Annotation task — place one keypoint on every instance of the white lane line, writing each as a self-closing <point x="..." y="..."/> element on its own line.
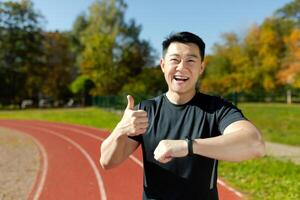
<point x="230" y="188"/>
<point x="86" y="155"/>
<point x="40" y="183"/>
<point x="135" y="159"/>
<point x="132" y="157"/>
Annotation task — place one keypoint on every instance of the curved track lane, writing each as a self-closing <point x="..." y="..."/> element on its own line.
<point x="70" y="168"/>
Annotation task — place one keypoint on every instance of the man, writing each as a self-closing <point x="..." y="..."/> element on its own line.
<point x="183" y="133"/>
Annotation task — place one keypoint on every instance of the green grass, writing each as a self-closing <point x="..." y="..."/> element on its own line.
<point x="277" y="122"/>
<point x="86" y="116"/>
<point x="266" y="178"/>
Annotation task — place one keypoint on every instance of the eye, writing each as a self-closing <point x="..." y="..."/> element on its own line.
<point x="174" y="60"/>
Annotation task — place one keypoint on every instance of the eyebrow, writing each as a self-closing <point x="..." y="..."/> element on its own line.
<point x="189" y="55"/>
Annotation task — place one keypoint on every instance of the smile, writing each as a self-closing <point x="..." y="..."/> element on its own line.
<point x="180" y="78"/>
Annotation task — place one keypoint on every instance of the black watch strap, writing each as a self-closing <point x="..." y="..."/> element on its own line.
<point x="190" y="146"/>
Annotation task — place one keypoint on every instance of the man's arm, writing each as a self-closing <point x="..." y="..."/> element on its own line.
<point x="240" y="141"/>
<point x="117" y="146"/>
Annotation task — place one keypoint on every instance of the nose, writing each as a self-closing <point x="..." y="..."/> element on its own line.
<point x="180" y="65"/>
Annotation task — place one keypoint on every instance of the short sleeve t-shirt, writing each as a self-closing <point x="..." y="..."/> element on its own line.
<point x="191" y="177"/>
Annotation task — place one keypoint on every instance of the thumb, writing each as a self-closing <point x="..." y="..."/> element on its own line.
<point x="130" y="102"/>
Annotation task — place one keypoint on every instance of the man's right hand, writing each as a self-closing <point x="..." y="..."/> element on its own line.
<point x="134" y="122"/>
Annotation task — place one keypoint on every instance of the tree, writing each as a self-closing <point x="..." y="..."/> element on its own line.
<point x="150" y="82"/>
<point x="111" y="49"/>
<point x="81" y="87"/>
<point x="75" y="34"/>
<point x="58" y="71"/>
<point x="20" y="50"/>
<point x="227" y="68"/>
<point x="271" y="52"/>
<point x="248" y="64"/>
<point x="262" y="62"/>
<point x="290" y="72"/>
<point x="290" y="12"/>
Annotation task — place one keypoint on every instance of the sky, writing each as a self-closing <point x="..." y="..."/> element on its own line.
<point x="206" y="18"/>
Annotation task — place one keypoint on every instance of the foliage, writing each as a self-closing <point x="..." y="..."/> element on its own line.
<point x="78" y="85"/>
<point x="150" y="82"/>
<point x="248" y="64"/>
<point x="290" y="12"/>
<point x="265" y="50"/>
<point x="107" y="51"/>
<point x="226" y="71"/>
<point x="289" y="73"/>
<point x="265" y="60"/>
<point x="81" y="87"/>
<point x="75" y="34"/>
<point x="111" y="51"/>
<point x="59" y="62"/>
<point x="20" y="50"/>
<point x="33" y="64"/>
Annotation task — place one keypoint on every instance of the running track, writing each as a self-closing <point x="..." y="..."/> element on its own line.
<point x="69" y="165"/>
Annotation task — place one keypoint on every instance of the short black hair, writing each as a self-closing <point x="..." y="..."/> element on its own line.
<point x="184" y="37"/>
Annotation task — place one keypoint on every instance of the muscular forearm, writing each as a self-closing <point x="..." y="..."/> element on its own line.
<point x="236" y="146"/>
<point x="240" y="141"/>
<point x="112" y="149"/>
<point x="117" y="147"/>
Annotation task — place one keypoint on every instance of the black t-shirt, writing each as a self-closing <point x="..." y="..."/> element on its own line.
<point x="191" y="177"/>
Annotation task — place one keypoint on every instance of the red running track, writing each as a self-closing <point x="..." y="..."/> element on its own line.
<point x="69" y="165"/>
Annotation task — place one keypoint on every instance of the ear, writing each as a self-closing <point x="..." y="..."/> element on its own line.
<point x="202" y="68"/>
<point x="162" y="65"/>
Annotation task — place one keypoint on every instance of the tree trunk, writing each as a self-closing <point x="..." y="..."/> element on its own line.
<point x="289" y="96"/>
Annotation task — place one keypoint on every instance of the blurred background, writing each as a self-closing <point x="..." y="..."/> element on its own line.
<point x="62" y="60"/>
<point x="91" y="52"/>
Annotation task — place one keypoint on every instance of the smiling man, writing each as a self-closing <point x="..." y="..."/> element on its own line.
<point x="183" y="133"/>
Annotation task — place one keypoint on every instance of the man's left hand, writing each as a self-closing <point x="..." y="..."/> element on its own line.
<point x="166" y="150"/>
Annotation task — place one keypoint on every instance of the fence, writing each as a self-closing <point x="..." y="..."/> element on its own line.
<point x="116" y="102"/>
<point x="120" y="102"/>
<point x="274" y="97"/>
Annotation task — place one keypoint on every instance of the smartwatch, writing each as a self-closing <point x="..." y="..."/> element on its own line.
<point x="190" y="146"/>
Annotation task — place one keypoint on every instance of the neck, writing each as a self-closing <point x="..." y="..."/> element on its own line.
<point x="179" y="99"/>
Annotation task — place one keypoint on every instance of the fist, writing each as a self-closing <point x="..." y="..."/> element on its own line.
<point x="134" y="122"/>
<point x="166" y="150"/>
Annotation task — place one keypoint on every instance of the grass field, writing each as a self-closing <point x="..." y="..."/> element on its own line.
<point x="85" y="116"/>
<point x="265" y="178"/>
<point x="277" y="122"/>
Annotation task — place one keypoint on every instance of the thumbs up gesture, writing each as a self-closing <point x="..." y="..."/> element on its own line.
<point x="130" y="103"/>
<point x="133" y="122"/>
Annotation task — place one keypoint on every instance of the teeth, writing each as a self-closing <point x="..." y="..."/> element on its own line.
<point x="179" y="77"/>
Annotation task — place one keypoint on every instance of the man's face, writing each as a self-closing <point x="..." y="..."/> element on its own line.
<point x="182" y="66"/>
